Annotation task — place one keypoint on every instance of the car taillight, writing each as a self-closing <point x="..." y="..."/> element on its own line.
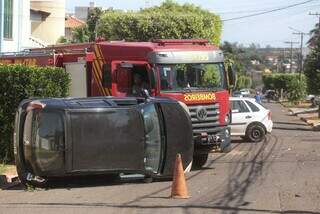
<point x="269" y="115"/>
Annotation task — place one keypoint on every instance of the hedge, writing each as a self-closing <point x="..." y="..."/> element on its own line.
<point x="135" y="26"/>
<point x="291" y="84"/>
<point x="19" y="82"/>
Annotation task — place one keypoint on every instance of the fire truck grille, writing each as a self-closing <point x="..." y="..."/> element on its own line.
<point x="205" y="119"/>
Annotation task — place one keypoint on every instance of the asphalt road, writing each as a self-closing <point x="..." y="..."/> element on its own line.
<point x="279" y="175"/>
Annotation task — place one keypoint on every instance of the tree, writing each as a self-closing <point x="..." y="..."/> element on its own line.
<point x="92" y="21"/>
<point x="80" y="34"/>
<point x="63" y="40"/>
<point x="170" y="20"/>
<point x="315" y="34"/>
<point x="296" y="90"/>
<point x="312" y="68"/>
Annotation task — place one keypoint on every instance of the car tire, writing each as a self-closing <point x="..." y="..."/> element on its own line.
<point x="255" y="133"/>
<point x="199" y="161"/>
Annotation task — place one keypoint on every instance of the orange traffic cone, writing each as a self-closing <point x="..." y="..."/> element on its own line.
<point x="179" y="187"/>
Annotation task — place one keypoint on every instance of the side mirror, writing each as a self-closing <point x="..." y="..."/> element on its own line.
<point x="231" y="76"/>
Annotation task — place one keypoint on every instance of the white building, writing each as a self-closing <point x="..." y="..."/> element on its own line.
<point x="28" y="24"/>
<point x="15" y="27"/>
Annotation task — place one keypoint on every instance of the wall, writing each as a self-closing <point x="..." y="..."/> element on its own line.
<point x="52" y="28"/>
<point x="20" y="27"/>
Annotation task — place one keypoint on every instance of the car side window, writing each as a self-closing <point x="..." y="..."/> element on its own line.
<point x="253" y="107"/>
<point x="239" y="106"/>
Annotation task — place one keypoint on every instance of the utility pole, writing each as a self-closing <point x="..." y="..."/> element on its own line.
<point x="291" y="52"/>
<point x="316" y="14"/>
<point x="298" y="32"/>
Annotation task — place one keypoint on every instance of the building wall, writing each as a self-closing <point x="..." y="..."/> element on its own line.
<point x="82" y="13"/>
<point x="20" y="27"/>
<point x="53" y="27"/>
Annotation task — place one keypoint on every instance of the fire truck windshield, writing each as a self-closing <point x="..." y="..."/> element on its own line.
<point x="188" y="77"/>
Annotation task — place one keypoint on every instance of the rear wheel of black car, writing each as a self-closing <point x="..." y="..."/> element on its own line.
<point x="199" y="160"/>
<point x="255" y="133"/>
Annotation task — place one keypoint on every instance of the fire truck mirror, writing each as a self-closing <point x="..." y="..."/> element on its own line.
<point x="106" y="76"/>
<point x="231" y="76"/>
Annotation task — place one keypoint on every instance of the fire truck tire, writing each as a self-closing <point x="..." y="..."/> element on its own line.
<point x="199" y="161"/>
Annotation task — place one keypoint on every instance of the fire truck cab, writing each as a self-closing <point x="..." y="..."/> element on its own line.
<point x="190" y="71"/>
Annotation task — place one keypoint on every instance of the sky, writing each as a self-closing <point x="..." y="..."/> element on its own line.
<point x="268" y="29"/>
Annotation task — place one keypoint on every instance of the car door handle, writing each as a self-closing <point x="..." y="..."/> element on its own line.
<point x="248" y="117"/>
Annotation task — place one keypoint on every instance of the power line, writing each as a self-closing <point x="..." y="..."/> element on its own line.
<point x="291" y="52"/>
<point x="268" y="11"/>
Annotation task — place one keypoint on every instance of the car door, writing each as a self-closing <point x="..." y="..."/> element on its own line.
<point x="257" y="113"/>
<point x="241" y="117"/>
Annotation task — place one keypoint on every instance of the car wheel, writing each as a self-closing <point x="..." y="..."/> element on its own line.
<point x="199" y="160"/>
<point x="255" y="133"/>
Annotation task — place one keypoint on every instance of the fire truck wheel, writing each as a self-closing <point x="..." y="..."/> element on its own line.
<point x="199" y="161"/>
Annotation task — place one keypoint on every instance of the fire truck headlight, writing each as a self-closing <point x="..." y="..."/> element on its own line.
<point x="227" y="119"/>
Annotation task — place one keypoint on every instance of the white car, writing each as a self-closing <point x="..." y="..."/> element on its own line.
<point x="245" y="92"/>
<point x="250" y="120"/>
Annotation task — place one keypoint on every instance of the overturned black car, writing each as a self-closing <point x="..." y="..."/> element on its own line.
<point x="105" y="135"/>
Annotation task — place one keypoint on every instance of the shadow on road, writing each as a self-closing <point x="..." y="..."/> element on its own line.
<point x="81" y="182"/>
<point x="288" y="123"/>
<point x="244" y="173"/>
<point x="294" y="129"/>
<point x="186" y="208"/>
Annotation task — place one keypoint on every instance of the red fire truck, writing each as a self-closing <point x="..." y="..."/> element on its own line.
<point x="190" y="71"/>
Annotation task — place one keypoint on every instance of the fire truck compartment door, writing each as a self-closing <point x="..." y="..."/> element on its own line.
<point x="78" y="73"/>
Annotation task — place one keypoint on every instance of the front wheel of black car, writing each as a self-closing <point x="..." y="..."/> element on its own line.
<point x="199" y="160"/>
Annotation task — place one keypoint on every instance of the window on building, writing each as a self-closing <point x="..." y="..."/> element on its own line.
<point x="8" y="19"/>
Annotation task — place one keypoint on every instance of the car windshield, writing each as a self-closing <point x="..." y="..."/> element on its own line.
<point x="153" y="138"/>
<point x="182" y="77"/>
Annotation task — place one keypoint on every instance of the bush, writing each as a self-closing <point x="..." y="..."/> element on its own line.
<point x="290" y="83"/>
<point x="19" y="82"/>
<point x="296" y="90"/>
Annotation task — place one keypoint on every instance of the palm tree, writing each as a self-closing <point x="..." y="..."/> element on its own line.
<point x="315" y="33"/>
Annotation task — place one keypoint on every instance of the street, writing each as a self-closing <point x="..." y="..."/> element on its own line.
<point x="279" y="175"/>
